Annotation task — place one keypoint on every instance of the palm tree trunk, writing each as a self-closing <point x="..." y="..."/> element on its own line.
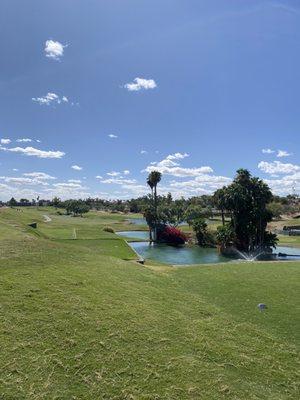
<point x="223" y="217"/>
<point x="155" y="208"/>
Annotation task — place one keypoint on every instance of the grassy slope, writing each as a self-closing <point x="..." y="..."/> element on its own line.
<point x="77" y="323"/>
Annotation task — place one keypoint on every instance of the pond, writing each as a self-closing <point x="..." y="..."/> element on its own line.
<point x="142" y="221"/>
<point x="184" y="255"/>
<point x="293" y="251"/>
<point x="187" y="255"/>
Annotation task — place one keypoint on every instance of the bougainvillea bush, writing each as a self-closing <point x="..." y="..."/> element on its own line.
<point x="172" y="235"/>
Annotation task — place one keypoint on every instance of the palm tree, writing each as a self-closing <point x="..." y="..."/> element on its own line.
<point x="153" y="180"/>
<point x="149" y="183"/>
<point x="220" y="202"/>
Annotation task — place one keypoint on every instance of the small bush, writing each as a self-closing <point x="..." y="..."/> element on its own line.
<point x="108" y="229"/>
<point x="172" y="235"/>
<point x="204" y="237"/>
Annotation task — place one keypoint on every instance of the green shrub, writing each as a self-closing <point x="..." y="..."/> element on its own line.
<point x="204" y="237"/>
<point x="108" y="229"/>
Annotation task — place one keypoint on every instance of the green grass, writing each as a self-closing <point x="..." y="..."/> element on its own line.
<point x="286" y="240"/>
<point x="80" y="322"/>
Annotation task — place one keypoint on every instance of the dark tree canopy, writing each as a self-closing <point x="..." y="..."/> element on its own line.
<point x="246" y="199"/>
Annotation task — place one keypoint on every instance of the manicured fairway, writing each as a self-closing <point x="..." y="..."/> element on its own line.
<point x="78" y="321"/>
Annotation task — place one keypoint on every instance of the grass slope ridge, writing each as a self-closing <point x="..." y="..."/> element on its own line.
<point x="77" y="322"/>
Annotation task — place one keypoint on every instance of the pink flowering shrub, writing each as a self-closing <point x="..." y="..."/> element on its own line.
<point x="172" y="235"/>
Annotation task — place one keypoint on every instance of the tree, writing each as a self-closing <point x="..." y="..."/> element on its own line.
<point x="153" y="180"/>
<point x="276" y="209"/>
<point x="219" y="199"/>
<point x="12" y="202"/>
<point x="150" y="217"/>
<point x="76" y="207"/>
<point x="150" y="184"/>
<point x="246" y="199"/>
<point x="192" y="213"/>
<point x="172" y="214"/>
<point x="24" y="202"/>
<point x="56" y="202"/>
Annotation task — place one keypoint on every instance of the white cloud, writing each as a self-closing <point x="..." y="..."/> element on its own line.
<point x="68" y="185"/>
<point x="31" y="151"/>
<point x="18" y="180"/>
<point x="5" y="141"/>
<point x="143" y="152"/>
<point x="50" y="99"/>
<point x="140" y="84"/>
<point x="74" y="180"/>
<point x="118" y="181"/>
<point x="30" y="178"/>
<point x="39" y="175"/>
<point x="99" y="177"/>
<point x="76" y="167"/>
<point x="170" y="166"/>
<point x="113" y="173"/>
<point x="112" y="136"/>
<point x="169" y="160"/>
<point x="202" y="184"/>
<point x="24" y="140"/>
<point x="126" y="172"/>
<point x="288" y="184"/>
<point x="283" y="153"/>
<point x="268" y="151"/>
<point x="278" y="167"/>
<point x="15" y="169"/>
<point x="67" y="190"/>
<point x="54" y="50"/>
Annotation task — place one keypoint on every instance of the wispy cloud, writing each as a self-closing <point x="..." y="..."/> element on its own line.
<point x="39" y="175"/>
<point x="118" y="181"/>
<point x="140" y="84"/>
<point x="54" y="49"/>
<point x="112" y="136"/>
<point x="31" y="151"/>
<point x="268" y="151"/>
<point x="74" y="180"/>
<point x="113" y="173"/>
<point x="30" y="178"/>
<point x="283" y="153"/>
<point x="50" y="99"/>
<point x="24" y="140"/>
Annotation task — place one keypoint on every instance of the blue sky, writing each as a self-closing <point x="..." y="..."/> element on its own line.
<point x="196" y="89"/>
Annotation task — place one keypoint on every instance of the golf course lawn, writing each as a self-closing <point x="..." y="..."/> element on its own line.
<point x="80" y="319"/>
